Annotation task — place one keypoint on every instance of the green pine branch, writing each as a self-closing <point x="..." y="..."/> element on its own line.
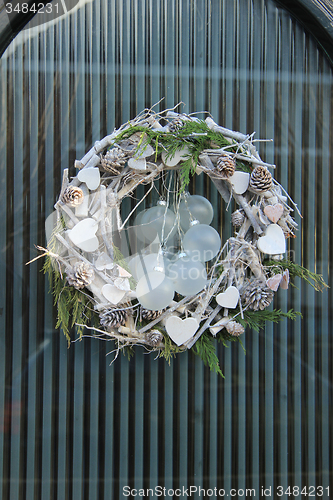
<point x="205" y="348"/>
<point x="196" y="135"/>
<point x="313" y="279"/>
<point x="257" y="319"/>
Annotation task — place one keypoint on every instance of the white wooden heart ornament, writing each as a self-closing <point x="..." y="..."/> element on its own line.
<point x="181" y="330"/>
<point x="274" y="212"/>
<point x="123" y="273"/>
<point x="137" y="163"/>
<point x="112" y="293"/>
<point x="104" y="262"/>
<point x="83" y="235"/>
<point x="229" y="298"/>
<point x="172" y="161"/>
<point x="144" y="152"/>
<point x="90" y="176"/>
<point x="240" y="182"/>
<point x="285" y="280"/>
<point x="274" y="282"/>
<point x="273" y="242"/>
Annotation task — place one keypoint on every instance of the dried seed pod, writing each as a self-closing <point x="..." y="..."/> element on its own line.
<point x="256" y="295"/>
<point x="154" y="337"/>
<point x="72" y="196"/>
<point x="113" y="160"/>
<point x="175" y="125"/>
<point x="260" y="180"/>
<point x="80" y="275"/>
<point x="234" y="328"/>
<point x="148" y="315"/>
<point x="113" y="318"/>
<point x="226" y="166"/>
<point x="237" y="218"/>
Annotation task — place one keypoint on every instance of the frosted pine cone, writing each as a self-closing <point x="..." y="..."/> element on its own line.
<point x="113" y="160"/>
<point x="150" y="315"/>
<point x="260" y="180"/>
<point x="226" y="166"/>
<point x="237" y="218"/>
<point x="72" y="196"/>
<point x="234" y="328"/>
<point x="81" y="275"/>
<point x="154" y="337"/>
<point x="176" y="125"/>
<point x="113" y="318"/>
<point x="256" y="295"/>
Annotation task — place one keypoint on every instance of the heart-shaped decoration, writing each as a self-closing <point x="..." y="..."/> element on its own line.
<point x="90" y="176"/>
<point x="181" y="330"/>
<point x="180" y="155"/>
<point x="274" y="212"/>
<point x="137" y="163"/>
<point x="112" y="293"/>
<point x="83" y="235"/>
<point x="104" y="262"/>
<point x="229" y="298"/>
<point x="273" y="242"/>
<point x="144" y="152"/>
<point x="285" y="280"/>
<point x="123" y="273"/>
<point x="122" y="284"/>
<point x="240" y="182"/>
<point x="274" y="282"/>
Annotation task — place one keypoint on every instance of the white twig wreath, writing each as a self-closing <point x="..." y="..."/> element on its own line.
<point x="165" y="281"/>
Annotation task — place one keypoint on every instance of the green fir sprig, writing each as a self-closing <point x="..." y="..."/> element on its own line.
<point x="295" y="270"/>
<point x="73" y="306"/>
<point x="196" y="135"/>
<point x="257" y="319"/>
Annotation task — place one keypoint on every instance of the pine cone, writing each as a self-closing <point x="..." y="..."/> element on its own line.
<point x="256" y="295"/>
<point x="113" y="318"/>
<point x="175" y="125"/>
<point x="234" y="328"/>
<point x="113" y="160"/>
<point x="72" y="196"/>
<point x="81" y="275"/>
<point x="226" y="166"/>
<point x="150" y="315"/>
<point x="154" y="337"/>
<point x="260" y="180"/>
<point x="237" y="218"/>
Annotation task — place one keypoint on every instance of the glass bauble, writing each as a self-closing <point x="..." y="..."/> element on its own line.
<point x="143" y="264"/>
<point x="189" y="276"/>
<point x="138" y="227"/>
<point x="155" y="291"/>
<point x="195" y="207"/>
<point x="202" y="242"/>
<point x="153" y="225"/>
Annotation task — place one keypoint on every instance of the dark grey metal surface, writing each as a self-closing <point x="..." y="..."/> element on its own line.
<point x="74" y="427"/>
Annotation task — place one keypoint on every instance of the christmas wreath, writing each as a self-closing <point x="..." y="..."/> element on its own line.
<point x="160" y="277"/>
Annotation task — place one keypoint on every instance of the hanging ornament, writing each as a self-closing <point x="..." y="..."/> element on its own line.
<point x="155" y="291"/>
<point x="188" y="275"/>
<point x="158" y="222"/>
<point x="195" y="207"/>
<point x="202" y="242"/>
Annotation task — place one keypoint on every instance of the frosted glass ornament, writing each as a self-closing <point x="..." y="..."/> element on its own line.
<point x="138" y="228"/>
<point x="153" y="220"/>
<point x="144" y="264"/>
<point x="155" y="291"/>
<point x="189" y="276"/>
<point x="196" y="206"/>
<point x="202" y="242"/>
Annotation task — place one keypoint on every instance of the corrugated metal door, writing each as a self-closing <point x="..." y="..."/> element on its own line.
<point x="73" y="427"/>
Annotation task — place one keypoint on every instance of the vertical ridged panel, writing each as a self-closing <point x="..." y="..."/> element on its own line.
<point x="72" y="425"/>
